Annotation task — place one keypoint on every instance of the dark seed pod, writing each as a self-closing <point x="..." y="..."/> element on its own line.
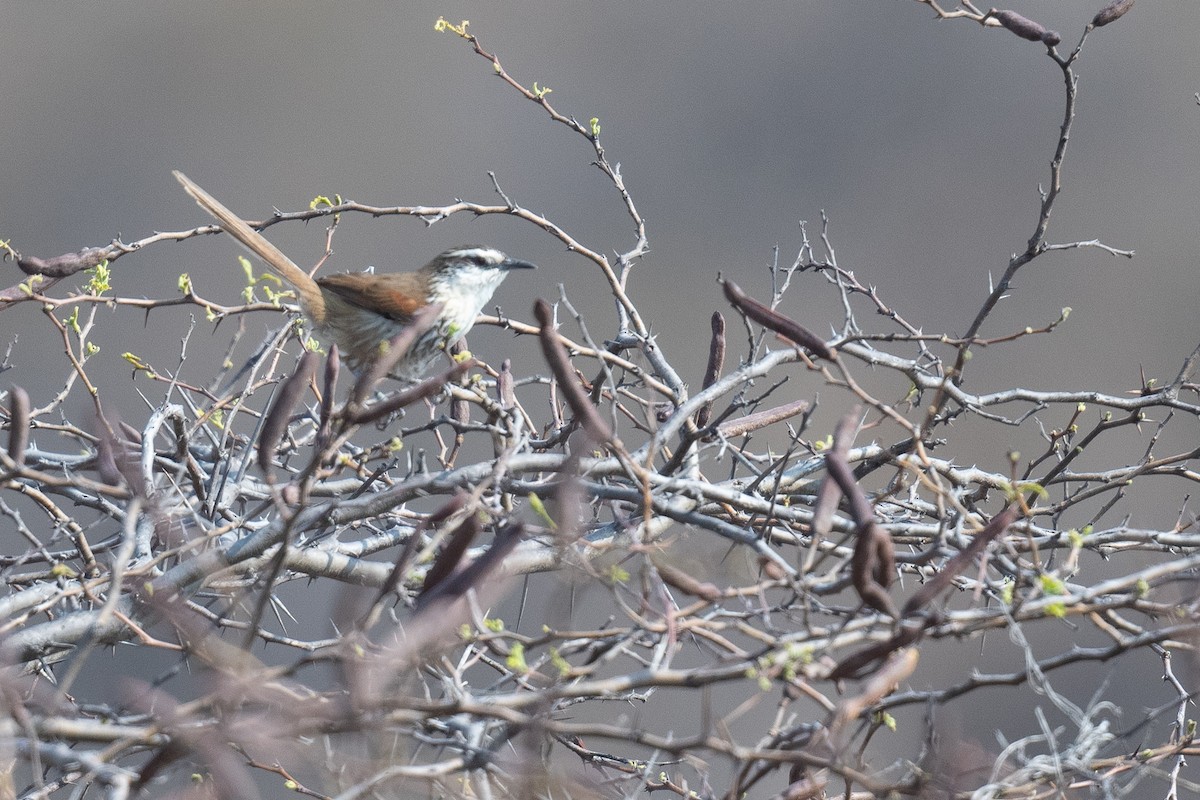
<point x="681" y="580"/>
<point x="333" y="366"/>
<point x="18" y="424"/>
<point x="560" y="364"/>
<point x="960" y="562"/>
<point x="504" y="385"/>
<point x="364" y="415"/>
<point x="276" y="422"/>
<point x="478" y="572"/>
<point x="106" y="457"/>
<point x="785" y="327"/>
<point x="397" y="348"/>
<point x="829" y="493"/>
<point x="452" y="553"/>
<point x="716" y="362"/>
<point x="762" y="419"/>
<point x="1111" y="13"/>
<point x="1051" y="38"/>
<point x="1021" y="26"/>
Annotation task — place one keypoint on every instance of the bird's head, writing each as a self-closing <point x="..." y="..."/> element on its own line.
<point x="465" y="277"/>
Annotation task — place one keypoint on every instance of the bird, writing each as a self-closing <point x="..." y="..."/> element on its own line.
<point x="361" y="311"/>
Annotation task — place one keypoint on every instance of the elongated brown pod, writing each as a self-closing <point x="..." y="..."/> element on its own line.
<point x="275" y="425"/>
<point x="761" y="419"/>
<point x="18" y="424"/>
<point x="1111" y="13"/>
<point x="785" y="327"/>
<point x="1020" y="25"/>
<point x="451" y="554"/>
<point x="556" y="357"/>
<point x="716" y="363"/>
<point x="1026" y="28"/>
<point x="942" y="579"/>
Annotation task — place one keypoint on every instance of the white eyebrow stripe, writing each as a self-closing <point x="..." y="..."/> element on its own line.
<point x="486" y="254"/>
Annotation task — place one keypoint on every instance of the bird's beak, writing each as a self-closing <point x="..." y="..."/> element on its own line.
<point x="516" y="263"/>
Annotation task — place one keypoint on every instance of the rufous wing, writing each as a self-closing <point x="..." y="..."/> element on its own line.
<point x="396" y="296"/>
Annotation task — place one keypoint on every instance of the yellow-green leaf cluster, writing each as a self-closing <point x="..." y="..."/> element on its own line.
<point x="459" y="29"/>
<point x="101" y="280"/>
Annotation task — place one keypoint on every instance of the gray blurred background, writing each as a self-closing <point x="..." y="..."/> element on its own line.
<point x="924" y="141"/>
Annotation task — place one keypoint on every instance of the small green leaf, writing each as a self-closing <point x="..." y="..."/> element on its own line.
<point x="618" y="574"/>
<point x="101" y="279"/>
<point x="539" y="508"/>
<point x="516" y="659"/>
<point x="27" y="287"/>
<point x="460" y="28"/>
<point x="274" y="297"/>
<point x="1006" y="591"/>
<point x="135" y="361"/>
<point x="1032" y="486"/>
<point x="561" y="664"/>
<point x="1052" y="585"/>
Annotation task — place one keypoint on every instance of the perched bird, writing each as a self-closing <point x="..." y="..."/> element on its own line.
<point x="360" y="311"/>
